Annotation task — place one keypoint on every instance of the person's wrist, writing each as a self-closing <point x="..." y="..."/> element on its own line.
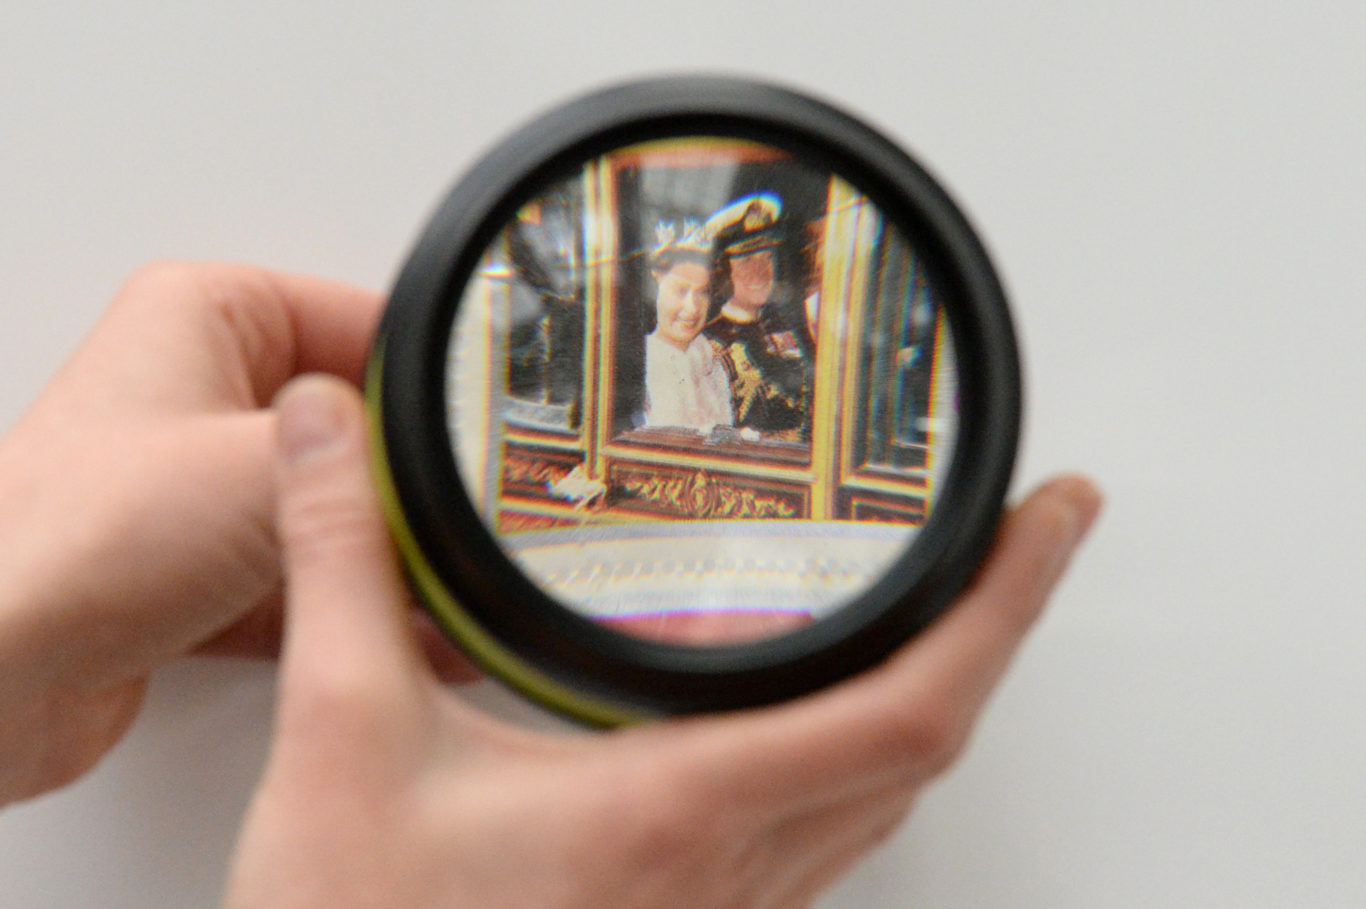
<point x="59" y="712"/>
<point x="24" y="673"/>
<point x="30" y="571"/>
<point x="42" y="558"/>
<point x="16" y="594"/>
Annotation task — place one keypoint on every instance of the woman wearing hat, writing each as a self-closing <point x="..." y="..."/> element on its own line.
<point x="684" y="384"/>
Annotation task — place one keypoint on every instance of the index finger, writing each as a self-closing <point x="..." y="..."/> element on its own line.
<point x="232" y="330"/>
<point x="908" y="718"/>
<point x="333" y="323"/>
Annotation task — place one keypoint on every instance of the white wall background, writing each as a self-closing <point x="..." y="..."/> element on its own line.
<point x="1175" y="194"/>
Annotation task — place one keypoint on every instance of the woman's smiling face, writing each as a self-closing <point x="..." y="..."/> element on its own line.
<point x="681" y="306"/>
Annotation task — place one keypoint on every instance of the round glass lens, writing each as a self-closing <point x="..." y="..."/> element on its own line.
<point x="701" y="391"/>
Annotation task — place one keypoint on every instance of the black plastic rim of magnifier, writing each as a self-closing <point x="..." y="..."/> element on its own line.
<point x="459" y="550"/>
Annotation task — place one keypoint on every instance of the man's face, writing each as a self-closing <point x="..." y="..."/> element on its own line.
<point x="752" y="278"/>
<point x="681" y="306"/>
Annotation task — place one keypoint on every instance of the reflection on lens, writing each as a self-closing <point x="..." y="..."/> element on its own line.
<point x="701" y="391"/>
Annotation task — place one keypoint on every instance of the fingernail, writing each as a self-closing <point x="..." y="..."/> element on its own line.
<point x="311" y="420"/>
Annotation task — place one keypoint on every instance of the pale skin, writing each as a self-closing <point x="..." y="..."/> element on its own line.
<point x="681" y="304"/>
<point x="751" y="278"/>
<point x="153" y="501"/>
<point x="137" y="507"/>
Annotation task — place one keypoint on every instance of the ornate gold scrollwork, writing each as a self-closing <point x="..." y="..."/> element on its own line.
<point x="520" y="469"/>
<point x="705" y="497"/>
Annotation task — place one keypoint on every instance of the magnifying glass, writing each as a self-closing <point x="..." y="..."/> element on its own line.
<point x="695" y="394"/>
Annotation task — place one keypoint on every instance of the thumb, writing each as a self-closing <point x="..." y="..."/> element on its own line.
<point x="347" y="628"/>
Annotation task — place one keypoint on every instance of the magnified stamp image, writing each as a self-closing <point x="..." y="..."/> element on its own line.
<point x="702" y="391"/>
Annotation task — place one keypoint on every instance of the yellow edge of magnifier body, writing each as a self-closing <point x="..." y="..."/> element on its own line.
<point x="482" y="647"/>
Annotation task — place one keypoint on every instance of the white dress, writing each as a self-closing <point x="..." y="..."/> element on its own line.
<point x="685" y="388"/>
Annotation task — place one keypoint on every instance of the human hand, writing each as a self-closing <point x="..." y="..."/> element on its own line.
<point x="385" y="789"/>
<point x="137" y="500"/>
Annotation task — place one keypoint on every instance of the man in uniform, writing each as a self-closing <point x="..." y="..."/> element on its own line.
<point x="767" y="358"/>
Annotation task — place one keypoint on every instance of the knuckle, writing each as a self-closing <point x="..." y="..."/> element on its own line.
<point x="659" y="831"/>
<point x="323" y="525"/>
<point x="932" y="735"/>
<point x="225" y="290"/>
<point x="167" y="286"/>
<point x="331" y="702"/>
<point x="162" y="273"/>
<point x="155" y="284"/>
<point x="672" y="822"/>
<point x="893" y="821"/>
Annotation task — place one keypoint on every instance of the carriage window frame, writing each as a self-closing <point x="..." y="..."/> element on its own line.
<point x="827" y="477"/>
